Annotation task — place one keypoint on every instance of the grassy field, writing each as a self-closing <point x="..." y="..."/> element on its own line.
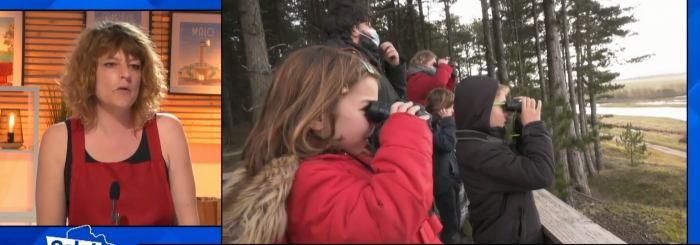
<point x="643" y="204"/>
<point x="647" y="203"/>
<point x="677" y="101"/>
<point x="649" y="88"/>
<point x="660" y="131"/>
<point x="650" y="122"/>
<point x="654" y="83"/>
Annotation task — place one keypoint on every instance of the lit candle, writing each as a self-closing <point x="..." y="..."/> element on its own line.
<point x="12" y="121"/>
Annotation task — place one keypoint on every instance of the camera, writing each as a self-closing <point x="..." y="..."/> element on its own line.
<point x="378" y="111"/>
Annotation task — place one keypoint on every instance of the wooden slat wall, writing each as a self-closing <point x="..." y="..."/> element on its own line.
<point x="49" y="38"/>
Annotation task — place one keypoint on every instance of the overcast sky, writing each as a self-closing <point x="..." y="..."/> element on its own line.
<point x="662" y="31"/>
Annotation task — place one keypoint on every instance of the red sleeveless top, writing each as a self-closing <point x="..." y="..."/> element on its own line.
<point x="145" y="198"/>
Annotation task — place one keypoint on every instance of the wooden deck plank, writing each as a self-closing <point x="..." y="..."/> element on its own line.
<point x="563" y="224"/>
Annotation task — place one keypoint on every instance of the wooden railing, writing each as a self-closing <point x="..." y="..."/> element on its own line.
<point x="562" y="224"/>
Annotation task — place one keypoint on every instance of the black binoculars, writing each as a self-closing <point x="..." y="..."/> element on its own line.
<point x="436" y="64"/>
<point x="454" y="72"/>
<point x="378" y="111"/>
<point x="513" y="105"/>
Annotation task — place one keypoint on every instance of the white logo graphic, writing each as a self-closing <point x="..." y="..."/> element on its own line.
<point x="50" y="240"/>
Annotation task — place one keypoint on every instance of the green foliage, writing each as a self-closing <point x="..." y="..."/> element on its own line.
<point x="58" y="110"/>
<point x="633" y="144"/>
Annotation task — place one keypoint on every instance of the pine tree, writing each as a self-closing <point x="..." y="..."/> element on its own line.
<point x="633" y="145"/>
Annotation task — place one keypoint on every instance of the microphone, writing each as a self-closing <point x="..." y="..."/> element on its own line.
<point x="114" y="192"/>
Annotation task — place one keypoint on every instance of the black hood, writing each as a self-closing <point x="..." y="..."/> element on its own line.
<point x="371" y="55"/>
<point x="474" y="97"/>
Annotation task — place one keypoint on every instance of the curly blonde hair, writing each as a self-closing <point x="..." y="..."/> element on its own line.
<point x="79" y="77"/>
<point x="423" y="57"/>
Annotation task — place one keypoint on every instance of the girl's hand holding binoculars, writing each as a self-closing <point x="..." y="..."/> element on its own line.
<point x="407" y="107"/>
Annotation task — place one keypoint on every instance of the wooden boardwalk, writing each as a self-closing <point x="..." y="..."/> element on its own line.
<point x="562" y="224"/>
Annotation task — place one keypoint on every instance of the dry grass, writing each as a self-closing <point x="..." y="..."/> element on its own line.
<point x="649" y="122"/>
<point x="640" y="224"/>
<point x="654" y="83"/>
<point x="649" y="200"/>
<point x="659" y="131"/>
<point x="657" y="138"/>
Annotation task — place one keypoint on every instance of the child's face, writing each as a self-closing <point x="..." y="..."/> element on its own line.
<point x="351" y="123"/>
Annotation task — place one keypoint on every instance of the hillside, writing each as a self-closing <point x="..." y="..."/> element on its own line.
<point x="653" y="77"/>
<point x="649" y="88"/>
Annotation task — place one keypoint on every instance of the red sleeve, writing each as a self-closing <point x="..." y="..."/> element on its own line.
<point x="451" y="84"/>
<point x="390" y="206"/>
<point x="442" y="75"/>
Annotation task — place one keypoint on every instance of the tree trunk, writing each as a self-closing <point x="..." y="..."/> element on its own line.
<point x="415" y="45"/>
<point x="581" y="100"/>
<point x="570" y="155"/>
<point x="488" y="40"/>
<point x="448" y="28"/>
<point x="540" y="70"/>
<point x="226" y="111"/>
<point x="423" y="27"/>
<point x="592" y="86"/>
<point x="518" y="47"/>
<point x="572" y="93"/>
<point x="592" y="89"/>
<point x="396" y="26"/>
<point x="256" y="52"/>
<point x="430" y="30"/>
<point x="498" y="41"/>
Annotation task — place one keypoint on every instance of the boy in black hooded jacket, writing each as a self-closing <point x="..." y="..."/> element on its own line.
<point x="498" y="180"/>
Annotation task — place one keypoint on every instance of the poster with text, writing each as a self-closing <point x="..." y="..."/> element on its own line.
<point x="11" y="48"/>
<point x="195" y="54"/>
<point x="138" y="18"/>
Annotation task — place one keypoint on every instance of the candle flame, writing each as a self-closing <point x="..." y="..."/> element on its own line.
<point x="12" y="121"/>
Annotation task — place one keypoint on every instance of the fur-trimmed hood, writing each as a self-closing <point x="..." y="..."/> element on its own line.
<point x="254" y="208"/>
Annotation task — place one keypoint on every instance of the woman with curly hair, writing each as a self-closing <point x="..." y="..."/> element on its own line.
<point x="113" y="84"/>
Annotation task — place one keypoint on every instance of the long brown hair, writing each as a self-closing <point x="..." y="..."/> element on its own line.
<point x="307" y="86"/>
<point x="439" y="99"/>
<point x="79" y="77"/>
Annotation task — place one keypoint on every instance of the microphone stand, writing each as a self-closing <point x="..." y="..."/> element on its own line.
<point x="117" y="216"/>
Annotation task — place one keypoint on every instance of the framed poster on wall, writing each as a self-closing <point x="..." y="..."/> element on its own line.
<point x="195" y="53"/>
<point x="138" y="18"/>
<point x="11" y="25"/>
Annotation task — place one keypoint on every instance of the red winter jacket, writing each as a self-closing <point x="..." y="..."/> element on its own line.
<point x="335" y="199"/>
<point x="420" y="84"/>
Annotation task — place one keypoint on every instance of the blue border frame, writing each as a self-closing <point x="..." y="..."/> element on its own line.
<point x="112" y="5"/>
<point x="37" y="235"/>
<point x="693" y="109"/>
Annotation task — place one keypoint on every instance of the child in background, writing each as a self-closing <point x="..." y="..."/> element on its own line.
<point x="447" y="184"/>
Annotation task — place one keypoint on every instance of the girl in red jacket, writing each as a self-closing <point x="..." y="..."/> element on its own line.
<point x="426" y="74"/>
<point x="305" y="176"/>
